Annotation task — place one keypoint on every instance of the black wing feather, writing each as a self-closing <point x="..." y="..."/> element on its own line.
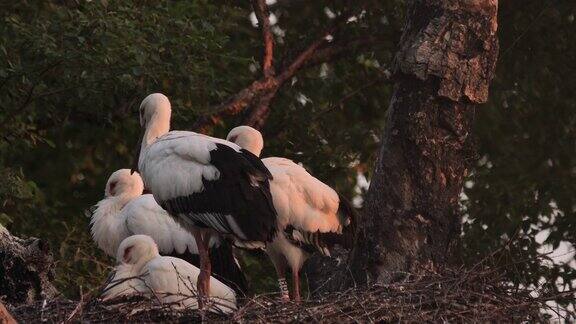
<point x="242" y="191"/>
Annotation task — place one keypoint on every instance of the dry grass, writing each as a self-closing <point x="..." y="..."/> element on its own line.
<point x="476" y="295"/>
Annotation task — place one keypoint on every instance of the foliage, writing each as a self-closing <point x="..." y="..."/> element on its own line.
<point x="73" y="72"/>
<point x="522" y="188"/>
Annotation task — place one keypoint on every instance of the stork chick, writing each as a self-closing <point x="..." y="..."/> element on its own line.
<point x="143" y="271"/>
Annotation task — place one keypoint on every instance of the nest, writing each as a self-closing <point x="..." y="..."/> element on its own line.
<point x="453" y="296"/>
<point x="133" y="309"/>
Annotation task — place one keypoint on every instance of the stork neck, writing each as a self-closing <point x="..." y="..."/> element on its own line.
<point x="143" y="261"/>
<point x="251" y="143"/>
<point x="158" y="126"/>
<point x="254" y="147"/>
<point x="121" y="200"/>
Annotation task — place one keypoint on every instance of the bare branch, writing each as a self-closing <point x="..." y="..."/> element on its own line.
<point x="262" y="15"/>
<point x="261" y="92"/>
<point x="301" y="60"/>
<point x="236" y="104"/>
<point x="312" y="56"/>
<point x="261" y="110"/>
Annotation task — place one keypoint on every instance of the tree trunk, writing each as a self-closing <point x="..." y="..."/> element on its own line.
<point x="446" y="60"/>
<point x="26" y="269"/>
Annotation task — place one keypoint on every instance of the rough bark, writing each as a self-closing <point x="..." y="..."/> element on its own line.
<point x="26" y="269"/>
<point x="443" y="69"/>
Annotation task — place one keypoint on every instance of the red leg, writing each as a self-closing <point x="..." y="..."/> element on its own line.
<point x="204" y="265"/>
<point x="296" y="283"/>
<point x="207" y="270"/>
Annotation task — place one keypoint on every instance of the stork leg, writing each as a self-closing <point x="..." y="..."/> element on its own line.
<point x="207" y="270"/>
<point x="296" y="284"/>
<point x="203" y="282"/>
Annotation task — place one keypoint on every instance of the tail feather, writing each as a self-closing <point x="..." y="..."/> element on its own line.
<point x="323" y="242"/>
<point x="227" y="269"/>
<point x="349" y="219"/>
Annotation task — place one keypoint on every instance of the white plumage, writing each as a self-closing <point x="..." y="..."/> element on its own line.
<point x="144" y="271"/>
<point x="247" y="138"/>
<point x="124" y="211"/>
<point x="187" y="156"/>
<point x="209" y="185"/>
<point x="300" y="199"/>
<point x="307" y="209"/>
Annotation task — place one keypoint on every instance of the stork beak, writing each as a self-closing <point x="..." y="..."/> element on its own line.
<point x="137" y="149"/>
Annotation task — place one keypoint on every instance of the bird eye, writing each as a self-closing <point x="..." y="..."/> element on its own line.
<point x="126" y="256"/>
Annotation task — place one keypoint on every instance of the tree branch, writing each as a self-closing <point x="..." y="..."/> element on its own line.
<point x="259" y="113"/>
<point x="261" y="92"/>
<point x="261" y="110"/>
<point x="30" y="92"/>
<point x="262" y="15"/>
<point x="235" y="104"/>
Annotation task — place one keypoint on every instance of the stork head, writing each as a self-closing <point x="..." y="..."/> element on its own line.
<point x="124" y="183"/>
<point x="154" y="113"/>
<point x="247" y="138"/>
<point x="153" y="107"/>
<point x="137" y="250"/>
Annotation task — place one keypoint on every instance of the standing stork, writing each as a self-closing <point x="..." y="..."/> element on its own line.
<point x="125" y="211"/>
<point x="311" y="215"/>
<point x="209" y="185"/>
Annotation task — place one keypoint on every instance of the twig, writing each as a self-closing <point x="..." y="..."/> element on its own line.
<point x="477" y="294"/>
<point x="384" y="78"/>
<point x="78" y="307"/>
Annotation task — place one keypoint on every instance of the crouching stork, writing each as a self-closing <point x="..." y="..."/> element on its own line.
<point x="208" y="185"/>
<point x="143" y="271"/>
<point x="311" y="215"/>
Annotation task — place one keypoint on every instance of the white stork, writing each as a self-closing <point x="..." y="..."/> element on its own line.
<point x="143" y="271"/>
<point x="311" y="215"/>
<point x="124" y="211"/>
<point x="207" y="184"/>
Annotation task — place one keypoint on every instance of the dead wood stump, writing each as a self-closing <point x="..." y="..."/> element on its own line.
<point x="26" y="269"/>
